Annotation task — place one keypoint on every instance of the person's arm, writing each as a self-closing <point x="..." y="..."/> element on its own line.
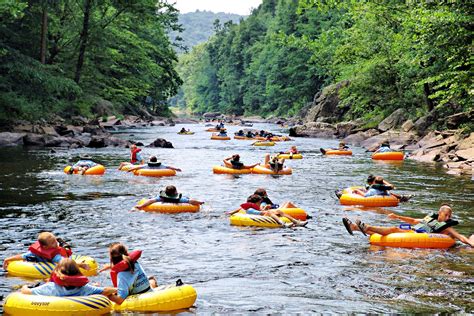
<point x="173" y="168"/>
<point x="9" y="259"/>
<point x="26" y="290"/>
<point x="406" y="219"/>
<point x="385" y="182"/>
<point x="227" y="163"/>
<point x="109" y="291"/>
<point x="452" y="232"/>
<point x="146" y="203"/>
<point x="233" y="212"/>
<point x="251" y="166"/>
<point x="105" y="267"/>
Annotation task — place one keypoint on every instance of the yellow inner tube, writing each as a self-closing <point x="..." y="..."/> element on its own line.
<point x="39" y="305"/>
<point x="186" y="133"/>
<point x="243" y="137"/>
<point x="127" y="166"/>
<point x="243" y="219"/>
<point x="262" y="143"/>
<point x="155" y="172"/>
<point x="263" y="170"/>
<point x="225" y="170"/>
<point x="41" y="270"/>
<point x="162" y="299"/>
<point x="93" y="171"/>
<point x="216" y="137"/>
<point x="169" y="207"/>
<point x="411" y="239"/>
<point x="288" y="156"/>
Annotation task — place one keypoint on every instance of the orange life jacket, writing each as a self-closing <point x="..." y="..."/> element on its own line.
<point x="48" y="254"/>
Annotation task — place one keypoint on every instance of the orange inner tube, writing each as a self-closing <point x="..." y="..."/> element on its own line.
<point x="392" y="155"/>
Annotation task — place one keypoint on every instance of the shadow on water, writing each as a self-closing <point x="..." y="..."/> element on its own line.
<point x="243" y="270"/>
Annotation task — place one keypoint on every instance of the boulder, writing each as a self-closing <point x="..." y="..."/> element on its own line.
<point x="116" y="142"/>
<point x="157" y="123"/>
<point x="103" y="107"/>
<point x="407" y="126"/>
<point x="211" y="115"/>
<point x="325" y="107"/>
<point x="11" y="139"/>
<point x="453" y="121"/>
<point x="47" y="130"/>
<point x="357" y="138"/>
<point x="23" y="128"/>
<point x="422" y="124"/>
<point x="398" y="140"/>
<point x="344" y="129"/>
<point x="79" y="120"/>
<point x="465" y="154"/>
<point x="392" y="121"/>
<point x="97" y="141"/>
<point x="93" y="129"/>
<point x="466" y="143"/>
<point x="33" y="139"/>
<point x="160" y="142"/>
<point x="313" y="129"/>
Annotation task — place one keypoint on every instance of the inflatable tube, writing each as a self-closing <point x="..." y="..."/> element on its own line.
<point x="392" y="155"/>
<point x="162" y="299"/>
<point x="97" y="170"/>
<point x="38" y="305"/>
<point x="337" y="152"/>
<point x="243" y="137"/>
<point x="169" y="208"/>
<point x="216" y="137"/>
<point x="349" y="198"/>
<point x="186" y="133"/>
<point x="411" y="239"/>
<point x="127" y="166"/>
<point x="225" y="170"/>
<point x="295" y="212"/>
<point x="155" y="172"/>
<point x="259" y="143"/>
<point x="243" y="219"/>
<point x="212" y="130"/>
<point x="288" y="156"/>
<point x="262" y="170"/>
<point x="42" y="270"/>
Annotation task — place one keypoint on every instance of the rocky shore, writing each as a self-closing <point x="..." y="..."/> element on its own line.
<point x="453" y="148"/>
<point x="81" y="133"/>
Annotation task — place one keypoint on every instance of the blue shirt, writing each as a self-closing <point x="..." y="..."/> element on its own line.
<point x="181" y="200"/>
<point x="384" y="149"/>
<point x="31" y="257"/>
<point x="373" y="192"/>
<point x="129" y="283"/>
<point x="139" y="157"/>
<point x="52" y="289"/>
<point x="85" y="163"/>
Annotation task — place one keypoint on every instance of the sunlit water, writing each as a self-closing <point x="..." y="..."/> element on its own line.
<point x="241" y="270"/>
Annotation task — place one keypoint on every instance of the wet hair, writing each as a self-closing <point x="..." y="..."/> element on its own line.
<point x="153" y="159"/>
<point x="342" y="144"/>
<point x="378" y="180"/>
<point x="170" y="190"/>
<point x="236" y="157"/>
<point x="370" y="178"/>
<point x="254" y="198"/>
<point x="261" y="192"/>
<point x="44" y="238"/>
<point x="67" y="267"/>
<point x="447" y="207"/>
<point x="119" y="252"/>
<point x="385" y="143"/>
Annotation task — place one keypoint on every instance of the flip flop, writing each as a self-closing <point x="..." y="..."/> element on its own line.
<point x="347" y="223"/>
<point x="361" y="227"/>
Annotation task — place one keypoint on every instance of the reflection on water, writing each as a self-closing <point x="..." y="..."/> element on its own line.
<point x="241" y="270"/>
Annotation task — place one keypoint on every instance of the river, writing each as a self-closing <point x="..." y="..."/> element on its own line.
<point x="320" y="268"/>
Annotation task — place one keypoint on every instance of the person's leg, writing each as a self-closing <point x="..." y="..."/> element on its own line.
<point x="195" y="202"/>
<point x="291" y="218"/>
<point x="287" y="205"/>
<point x="267" y="159"/>
<point x="378" y="229"/>
<point x="275" y="217"/>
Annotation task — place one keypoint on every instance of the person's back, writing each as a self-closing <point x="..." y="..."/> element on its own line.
<point x="85" y="163"/>
<point x="378" y="188"/>
<point x="384" y="148"/>
<point x="129" y="283"/>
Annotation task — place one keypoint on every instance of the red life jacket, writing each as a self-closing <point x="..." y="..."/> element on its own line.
<point x="123" y="265"/>
<point x="50" y="253"/>
<point x="68" y="280"/>
<point x="248" y="205"/>
<point x="133" y="158"/>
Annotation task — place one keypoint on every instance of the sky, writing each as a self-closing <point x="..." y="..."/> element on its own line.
<point x="241" y="7"/>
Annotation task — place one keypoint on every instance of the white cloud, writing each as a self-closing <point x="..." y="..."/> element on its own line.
<point x="242" y="7"/>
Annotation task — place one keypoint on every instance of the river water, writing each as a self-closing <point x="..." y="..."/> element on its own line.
<point x="320" y="268"/>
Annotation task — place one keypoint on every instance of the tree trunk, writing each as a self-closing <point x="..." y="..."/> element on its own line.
<point x="44" y="32"/>
<point x="83" y="41"/>
<point x="427" y="92"/>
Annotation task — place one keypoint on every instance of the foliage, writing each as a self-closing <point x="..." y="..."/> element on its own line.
<point x="93" y="50"/>
<point x="395" y="54"/>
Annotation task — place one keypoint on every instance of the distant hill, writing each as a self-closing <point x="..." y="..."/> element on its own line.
<point x="199" y="26"/>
